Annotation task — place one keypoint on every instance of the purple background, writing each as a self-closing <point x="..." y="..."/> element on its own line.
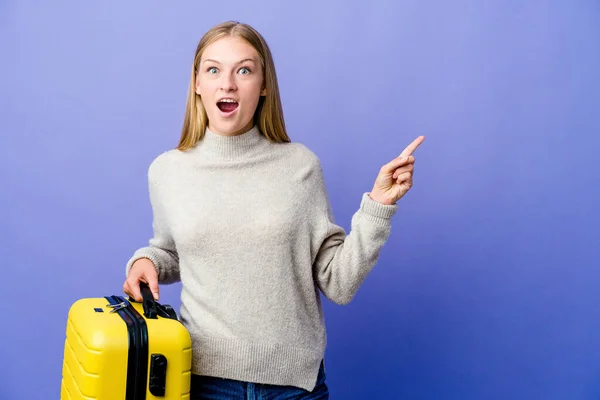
<point x="489" y="287"/>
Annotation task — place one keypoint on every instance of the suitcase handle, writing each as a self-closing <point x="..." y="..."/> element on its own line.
<point x="148" y="301"/>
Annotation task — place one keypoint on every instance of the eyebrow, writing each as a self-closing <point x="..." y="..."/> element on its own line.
<point x="239" y="62"/>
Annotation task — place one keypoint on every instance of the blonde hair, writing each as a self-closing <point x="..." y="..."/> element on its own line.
<point x="269" y="113"/>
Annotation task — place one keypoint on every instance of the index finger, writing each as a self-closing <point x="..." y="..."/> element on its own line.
<point x="412" y="147"/>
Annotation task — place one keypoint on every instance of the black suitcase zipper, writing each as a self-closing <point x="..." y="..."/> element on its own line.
<point x="137" y="357"/>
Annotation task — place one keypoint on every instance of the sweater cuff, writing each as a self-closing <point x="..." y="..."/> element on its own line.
<point x="376" y="209"/>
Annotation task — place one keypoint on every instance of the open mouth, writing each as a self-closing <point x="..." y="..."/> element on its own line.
<point x="227" y="105"/>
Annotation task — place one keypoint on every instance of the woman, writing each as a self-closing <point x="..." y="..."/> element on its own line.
<point x="241" y="217"/>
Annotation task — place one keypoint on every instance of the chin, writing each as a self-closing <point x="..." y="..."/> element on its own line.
<point x="229" y="127"/>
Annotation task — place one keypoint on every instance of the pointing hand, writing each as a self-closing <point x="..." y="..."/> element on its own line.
<point x="395" y="178"/>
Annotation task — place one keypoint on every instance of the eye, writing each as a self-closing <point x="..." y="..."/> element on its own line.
<point x="245" y="70"/>
<point x="212" y="70"/>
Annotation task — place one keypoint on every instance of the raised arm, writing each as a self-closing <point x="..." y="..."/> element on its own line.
<point x="343" y="261"/>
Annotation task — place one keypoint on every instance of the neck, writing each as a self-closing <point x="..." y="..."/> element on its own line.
<point x="240" y="131"/>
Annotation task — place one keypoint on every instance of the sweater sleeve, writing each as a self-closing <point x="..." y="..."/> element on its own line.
<point x="343" y="261"/>
<point x="161" y="249"/>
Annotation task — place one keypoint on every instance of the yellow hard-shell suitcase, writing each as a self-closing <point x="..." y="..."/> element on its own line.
<point x="119" y="349"/>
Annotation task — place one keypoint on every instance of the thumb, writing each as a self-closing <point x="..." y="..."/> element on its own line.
<point x="396" y="163"/>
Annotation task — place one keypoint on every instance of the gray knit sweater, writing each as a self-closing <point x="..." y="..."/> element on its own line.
<point x="246" y="226"/>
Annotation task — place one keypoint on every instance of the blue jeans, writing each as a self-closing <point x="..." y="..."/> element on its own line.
<point x="210" y="388"/>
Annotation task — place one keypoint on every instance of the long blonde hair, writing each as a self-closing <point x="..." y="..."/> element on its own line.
<point x="269" y="112"/>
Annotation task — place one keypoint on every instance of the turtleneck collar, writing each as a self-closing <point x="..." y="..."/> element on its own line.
<point x="231" y="147"/>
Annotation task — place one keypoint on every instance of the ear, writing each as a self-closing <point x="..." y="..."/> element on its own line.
<point x="263" y="92"/>
<point x="197" y="86"/>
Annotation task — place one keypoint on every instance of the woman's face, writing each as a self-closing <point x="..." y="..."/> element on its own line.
<point x="230" y="83"/>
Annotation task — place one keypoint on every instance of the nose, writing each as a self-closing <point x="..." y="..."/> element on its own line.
<point x="228" y="83"/>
